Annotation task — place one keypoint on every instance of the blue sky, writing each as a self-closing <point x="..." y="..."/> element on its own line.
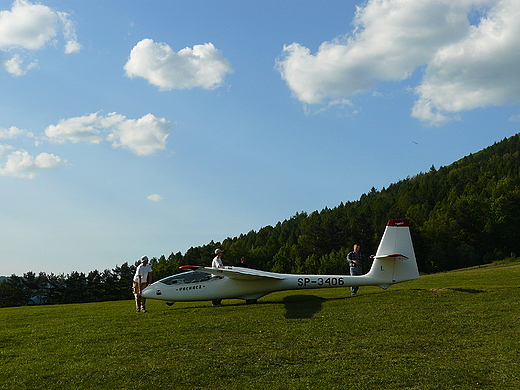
<point x="131" y="128"/>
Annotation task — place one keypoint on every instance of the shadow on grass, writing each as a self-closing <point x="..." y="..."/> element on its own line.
<point x="464" y="290"/>
<point x="468" y="290"/>
<point x="302" y="306"/>
<point x="296" y="306"/>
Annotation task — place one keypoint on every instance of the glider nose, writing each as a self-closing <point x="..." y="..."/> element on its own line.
<point x="149" y="292"/>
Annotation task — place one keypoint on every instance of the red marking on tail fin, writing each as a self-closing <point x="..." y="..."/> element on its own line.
<point x="392" y="255"/>
<point x="397" y="222"/>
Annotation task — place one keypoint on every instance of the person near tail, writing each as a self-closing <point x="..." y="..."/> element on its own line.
<point x="355" y="263"/>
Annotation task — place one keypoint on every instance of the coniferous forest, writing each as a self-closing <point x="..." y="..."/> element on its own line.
<point x="464" y="214"/>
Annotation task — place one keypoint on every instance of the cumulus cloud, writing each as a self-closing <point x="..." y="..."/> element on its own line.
<point x="467" y="65"/>
<point x="19" y="163"/>
<point x="78" y="129"/>
<point x="13" y="132"/>
<point x="203" y="66"/>
<point x="143" y="136"/>
<point x="15" y="66"/>
<point x="30" y="27"/>
<point x="477" y="71"/>
<point x="155" y="197"/>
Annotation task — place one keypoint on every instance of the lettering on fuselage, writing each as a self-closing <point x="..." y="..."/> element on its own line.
<point x="196" y="287"/>
<point x="325" y="282"/>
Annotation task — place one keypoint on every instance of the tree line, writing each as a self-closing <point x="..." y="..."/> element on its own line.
<point x="464" y="214"/>
<point x="77" y="287"/>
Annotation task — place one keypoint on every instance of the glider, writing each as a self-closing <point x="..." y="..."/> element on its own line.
<point x="394" y="262"/>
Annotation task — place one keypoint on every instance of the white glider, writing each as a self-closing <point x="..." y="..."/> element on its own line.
<point x="394" y="262"/>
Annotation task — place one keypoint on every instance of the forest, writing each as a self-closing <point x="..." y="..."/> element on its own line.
<point x="461" y="215"/>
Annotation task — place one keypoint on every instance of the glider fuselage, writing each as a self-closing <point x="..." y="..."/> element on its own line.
<point x="224" y="287"/>
<point x="394" y="262"/>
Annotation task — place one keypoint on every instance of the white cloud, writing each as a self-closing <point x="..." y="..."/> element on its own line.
<point x="15" y="66"/>
<point x="26" y="25"/>
<point x="72" y="47"/>
<point x="143" y="136"/>
<point x="30" y="27"/>
<point x="478" y="71"/>
<point x="13" y="132"/>
<point x="203" y="66"/>
<point x="467" y="66"/>
<point x="20" y="163"/>
<point x="78" y="129"/>
<point x="155" y="197"/>
<point x="69" y="33"/>
<point x="5" y="149"/>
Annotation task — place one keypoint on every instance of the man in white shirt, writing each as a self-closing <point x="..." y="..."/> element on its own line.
<point x="142" y="277"/>
<point x="217" y="260"/>
<point x="217" y="263"/>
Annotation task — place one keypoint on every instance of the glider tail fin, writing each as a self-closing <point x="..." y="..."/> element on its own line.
<point x="394" y="261"/>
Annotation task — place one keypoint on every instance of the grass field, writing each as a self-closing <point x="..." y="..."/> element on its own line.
<point x="456" y="330"/>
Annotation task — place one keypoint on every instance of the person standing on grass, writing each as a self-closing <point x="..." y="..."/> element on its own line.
<point x="142" y="278"/>
<point x="355" y="262"/>
<point x="217" y="263"/>
<point x="242" y="263"/>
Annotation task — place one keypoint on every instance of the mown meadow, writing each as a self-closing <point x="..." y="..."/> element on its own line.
<point x="454" y="330"/>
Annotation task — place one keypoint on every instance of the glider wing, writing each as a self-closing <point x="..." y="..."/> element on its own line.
<point x="239" y="273"/>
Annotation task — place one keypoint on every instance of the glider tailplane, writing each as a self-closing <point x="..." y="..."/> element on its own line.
<point x="394" y="261"/>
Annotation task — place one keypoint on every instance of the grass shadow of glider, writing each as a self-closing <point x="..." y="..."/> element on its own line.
<point x="468" y="290"/>
<point x="302" y="306"/>
<point x="296" y="306"/>
<point x="463" y="290"/>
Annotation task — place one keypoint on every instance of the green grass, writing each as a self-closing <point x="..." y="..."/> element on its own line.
<point x="456" y="330"/>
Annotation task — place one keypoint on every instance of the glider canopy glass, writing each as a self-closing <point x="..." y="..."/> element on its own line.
<point x="186" y="277"/>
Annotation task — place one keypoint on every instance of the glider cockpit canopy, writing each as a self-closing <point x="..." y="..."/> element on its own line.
<point x="186" y="277"/>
